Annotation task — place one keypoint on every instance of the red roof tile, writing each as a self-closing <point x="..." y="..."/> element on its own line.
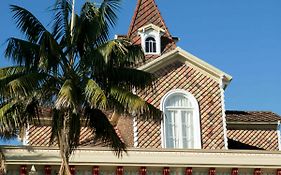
<point x="262" y="139"/>
<point x="40" y="136"/>
<point x="251" y="116"/>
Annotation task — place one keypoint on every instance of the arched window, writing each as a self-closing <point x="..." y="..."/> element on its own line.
<point x="150" y="45"/>
<point x="181" y="125"/>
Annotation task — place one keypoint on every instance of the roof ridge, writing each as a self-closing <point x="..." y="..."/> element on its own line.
<point x="249" y="111"/>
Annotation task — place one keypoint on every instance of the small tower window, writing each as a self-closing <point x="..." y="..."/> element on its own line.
<point x="150" y="45"/>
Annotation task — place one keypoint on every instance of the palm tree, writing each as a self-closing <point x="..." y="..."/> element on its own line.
<point x="77" y="73"/>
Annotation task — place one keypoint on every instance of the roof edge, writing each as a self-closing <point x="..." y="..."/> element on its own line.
<point x="189" y="57"/>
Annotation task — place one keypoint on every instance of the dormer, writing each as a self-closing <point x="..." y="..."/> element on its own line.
<point x="151" y="39"/>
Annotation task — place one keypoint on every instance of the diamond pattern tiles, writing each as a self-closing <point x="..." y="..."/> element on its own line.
<point x="207" y="92"/>
<point x="40" y="136"/>
<point x="263" y="139"/>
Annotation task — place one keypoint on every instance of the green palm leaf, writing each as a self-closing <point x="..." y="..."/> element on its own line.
<point x="22" y="52"/>
<point x="68" y="97"/>
<point x="108" y="9"/>
<point x="95" y="95"/>
<point x="103" y="130"/>
<point x="8" y="71"/>
<point x="62" y="8"/>
<point x="28" y="23"/>
<point x="21" y="84"/>
<point x="50" y="53"/>
<point x="130" y="77"/>
<point x="133" y="104"/>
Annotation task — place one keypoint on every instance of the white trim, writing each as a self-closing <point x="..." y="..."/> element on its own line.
<point x="151" y="26"/>
<point x="151" y="31"/>
<point x="278" y="135"/>
<point x="146" y="157"/>
<point x="222" y="85"/>
<point x="135" y="125"/>
<point x="191" y="59"/>
<point x="154" y="41"/>
<point x="196" y="116"/>
<point x="136" y="138"/>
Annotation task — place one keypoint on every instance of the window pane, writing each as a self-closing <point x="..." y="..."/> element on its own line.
<point x="154" y="47"/>
<point x="179" y="101"/>
<point x="170" y="129"/>
<point x="150" y="45"/>
<point x="187" y="130"/>
<point x="146" y="46"/>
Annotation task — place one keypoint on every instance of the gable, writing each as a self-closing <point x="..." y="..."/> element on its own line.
<point x="180" y="55"/>
<point x="207" y="91"/>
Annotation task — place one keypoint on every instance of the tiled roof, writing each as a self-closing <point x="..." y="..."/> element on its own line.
<point x="147" y="12"/>
<point x="251" y="116"/>
<point x="40" y="136"/>
<point x="178" y="75"/>
<point x="262" y="139"/>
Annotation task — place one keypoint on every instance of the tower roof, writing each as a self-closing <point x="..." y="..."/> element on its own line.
<point x="147" y="13"/>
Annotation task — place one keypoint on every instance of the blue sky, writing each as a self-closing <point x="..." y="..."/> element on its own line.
<point x="240" y="37"/>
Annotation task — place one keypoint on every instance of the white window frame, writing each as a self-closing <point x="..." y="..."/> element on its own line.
<point x="195" y="120"/>
<point x="153" y="31"/>
<point x="152" y="45"/>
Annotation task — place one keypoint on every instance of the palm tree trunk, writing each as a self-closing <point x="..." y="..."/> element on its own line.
<point x="65" y="150"/>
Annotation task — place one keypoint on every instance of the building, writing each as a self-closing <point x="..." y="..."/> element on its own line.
<point x="197" y="136"/>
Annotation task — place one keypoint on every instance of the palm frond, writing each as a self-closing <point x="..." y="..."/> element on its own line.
<point x="21" y="84"/>
<point x="50" y="53"/>
<point x="133" y="104"/>
<point x="9" y="119"/>
<point x="121" y="53"/>
<point x="22" y="52"/>
<point x="68" y="97"/>
<point x="103" y="130"/>
<point x="111" y="49"/>
<point x="62" y="8"/>
<point x="74" y="130"/>
<point x="132" y="78"/>
<point x="8" y="71"/>
<point x="89" y="28"/>
<point x="57" y="124"/>
<point x="95" y="95"/>
<point x="108" y="9"/>
<point x="28" y="23"/>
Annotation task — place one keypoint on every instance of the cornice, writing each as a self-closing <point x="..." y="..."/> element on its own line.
<point x="147" y="157"/>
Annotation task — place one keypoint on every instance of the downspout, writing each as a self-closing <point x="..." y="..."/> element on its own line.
<point x="222" y="86"/>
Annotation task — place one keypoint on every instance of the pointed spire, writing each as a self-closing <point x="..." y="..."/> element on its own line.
<point x="146" y="13"/>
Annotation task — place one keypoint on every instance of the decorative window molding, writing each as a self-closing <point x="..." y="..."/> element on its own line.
<point x="181" y="124"/>
<point x="151" y="39"/>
